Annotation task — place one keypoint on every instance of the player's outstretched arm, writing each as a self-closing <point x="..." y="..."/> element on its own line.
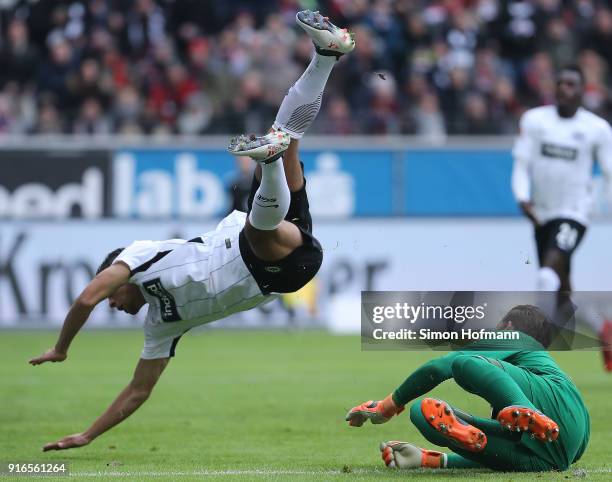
<point x="521" y="186"/>
<point x="102" y="286"/>
<point x="131" y="397"/>
<point x="419" y="383"/>
<point x="522" y="153"/>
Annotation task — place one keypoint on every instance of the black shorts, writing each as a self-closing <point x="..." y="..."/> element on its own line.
<point x="301" y="265"/>
<point x="561" y="234"/>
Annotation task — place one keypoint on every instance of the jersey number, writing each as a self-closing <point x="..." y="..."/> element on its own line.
<point x="566" y="237"/>
<point x="167" y="304"/>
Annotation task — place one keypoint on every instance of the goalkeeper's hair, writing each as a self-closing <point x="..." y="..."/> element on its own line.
<point x="110" y="257"/>
<point x="532" y="321"/>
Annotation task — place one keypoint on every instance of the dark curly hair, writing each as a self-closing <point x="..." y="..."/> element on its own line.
<point x="573" y="68"/>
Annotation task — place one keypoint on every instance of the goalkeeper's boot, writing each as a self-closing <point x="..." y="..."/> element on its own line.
<point x="263" y="149"/>
<point x="402" y="455"/>
<point x="328" y="39"/>
<point x="524" y="419"/>
<point x="441" y="417"/>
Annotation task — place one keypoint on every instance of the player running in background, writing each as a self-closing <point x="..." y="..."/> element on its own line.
<point x="539" y="421"/>
<point x="552" y="182"/>
<point x="240" y="265"/>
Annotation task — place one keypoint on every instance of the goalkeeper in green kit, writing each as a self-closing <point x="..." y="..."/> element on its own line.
<point x="539" y="420"/>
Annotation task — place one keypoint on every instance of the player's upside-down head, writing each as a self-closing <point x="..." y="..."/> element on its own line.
<point x="127" y="297"/>
<point x="530" y="320"/>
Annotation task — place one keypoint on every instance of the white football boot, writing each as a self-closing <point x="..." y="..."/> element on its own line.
<point x="327" y="38"/>
<point x="263" y="149"/>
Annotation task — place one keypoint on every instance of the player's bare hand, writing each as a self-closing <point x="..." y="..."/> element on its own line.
<point x="69" y="442"/>
<point x="51" y="355"/>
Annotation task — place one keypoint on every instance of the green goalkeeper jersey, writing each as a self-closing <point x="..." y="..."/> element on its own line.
<point x="552" y="392"/>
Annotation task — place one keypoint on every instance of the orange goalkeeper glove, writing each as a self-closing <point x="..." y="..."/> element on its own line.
<point x="376" y="412"/>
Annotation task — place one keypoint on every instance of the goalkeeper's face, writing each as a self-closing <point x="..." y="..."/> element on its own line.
<point x="127" y="298"/>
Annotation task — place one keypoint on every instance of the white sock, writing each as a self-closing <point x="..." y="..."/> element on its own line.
<point x="548" y="280"/>
<point x="272" y="199"/>
<point x="303" y="101"/>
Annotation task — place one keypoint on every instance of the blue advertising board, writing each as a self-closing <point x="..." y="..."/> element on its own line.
<point x="342" y="183"/>
<point x="458" y="183"/>
<point x="168" y="183"/>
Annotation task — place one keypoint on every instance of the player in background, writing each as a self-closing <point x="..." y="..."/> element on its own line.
<point x="538" y="423"/>
<point x="552" y="183"/>
<point x="240" y="265"/>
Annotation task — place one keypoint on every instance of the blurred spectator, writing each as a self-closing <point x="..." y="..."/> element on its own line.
<point x="89" y="82"/>
<point x="599" y="36"/>
<point x="196" y="116"/>
<point x="559" y="42"/>
<point x="596" y="95"/>
<point x="6" y="118"/>
<point x="452" y="97"/>
<point x="18" y="58"/>
<point x="477" y="120"/>
<point x="49" y="120"/>
<point x="504" y="106"/>
<point x="158" y="67"/>
<point x="429" y="120"/>
<point x="56" y="70"/>
<point x="383" y="112"/>
<point x="91" y="118"/>
<point x="336" y="119"/>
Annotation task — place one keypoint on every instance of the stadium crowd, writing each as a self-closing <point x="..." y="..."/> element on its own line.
<point x="429" y="68"/>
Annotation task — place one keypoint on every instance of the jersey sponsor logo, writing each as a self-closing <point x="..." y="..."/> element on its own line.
<point x="167" y="304"/>
<point x="559" y="152"/>
<point x="566" y="237"/>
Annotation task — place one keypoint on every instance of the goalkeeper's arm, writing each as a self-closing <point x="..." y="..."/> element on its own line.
<point x="419" y="383"/>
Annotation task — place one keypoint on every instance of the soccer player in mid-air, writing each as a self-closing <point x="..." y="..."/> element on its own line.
<point x="240" y="265"/>
<point x="539" y="421"/>
<point x="552" y="182"/>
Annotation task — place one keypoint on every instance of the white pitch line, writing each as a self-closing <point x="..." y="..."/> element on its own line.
<point x="205" y="473"/>
<point x="215" y="473"/>
<point x="263" y="472"/>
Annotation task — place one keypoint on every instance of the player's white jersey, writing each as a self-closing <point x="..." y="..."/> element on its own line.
<point x="197" y="281"/>
<point x="554" y="161"/>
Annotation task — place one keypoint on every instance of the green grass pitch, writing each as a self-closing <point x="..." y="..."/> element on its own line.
<point x="239" y="405"/>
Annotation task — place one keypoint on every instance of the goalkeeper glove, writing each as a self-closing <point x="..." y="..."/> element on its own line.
<point x="376" y="412"/>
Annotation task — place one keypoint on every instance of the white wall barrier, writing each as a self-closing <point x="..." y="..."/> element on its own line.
<point x="44" y="265"/>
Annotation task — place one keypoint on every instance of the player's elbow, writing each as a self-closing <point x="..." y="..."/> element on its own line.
<point x="86" y="301"/>
<point x="140" y="393"/>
